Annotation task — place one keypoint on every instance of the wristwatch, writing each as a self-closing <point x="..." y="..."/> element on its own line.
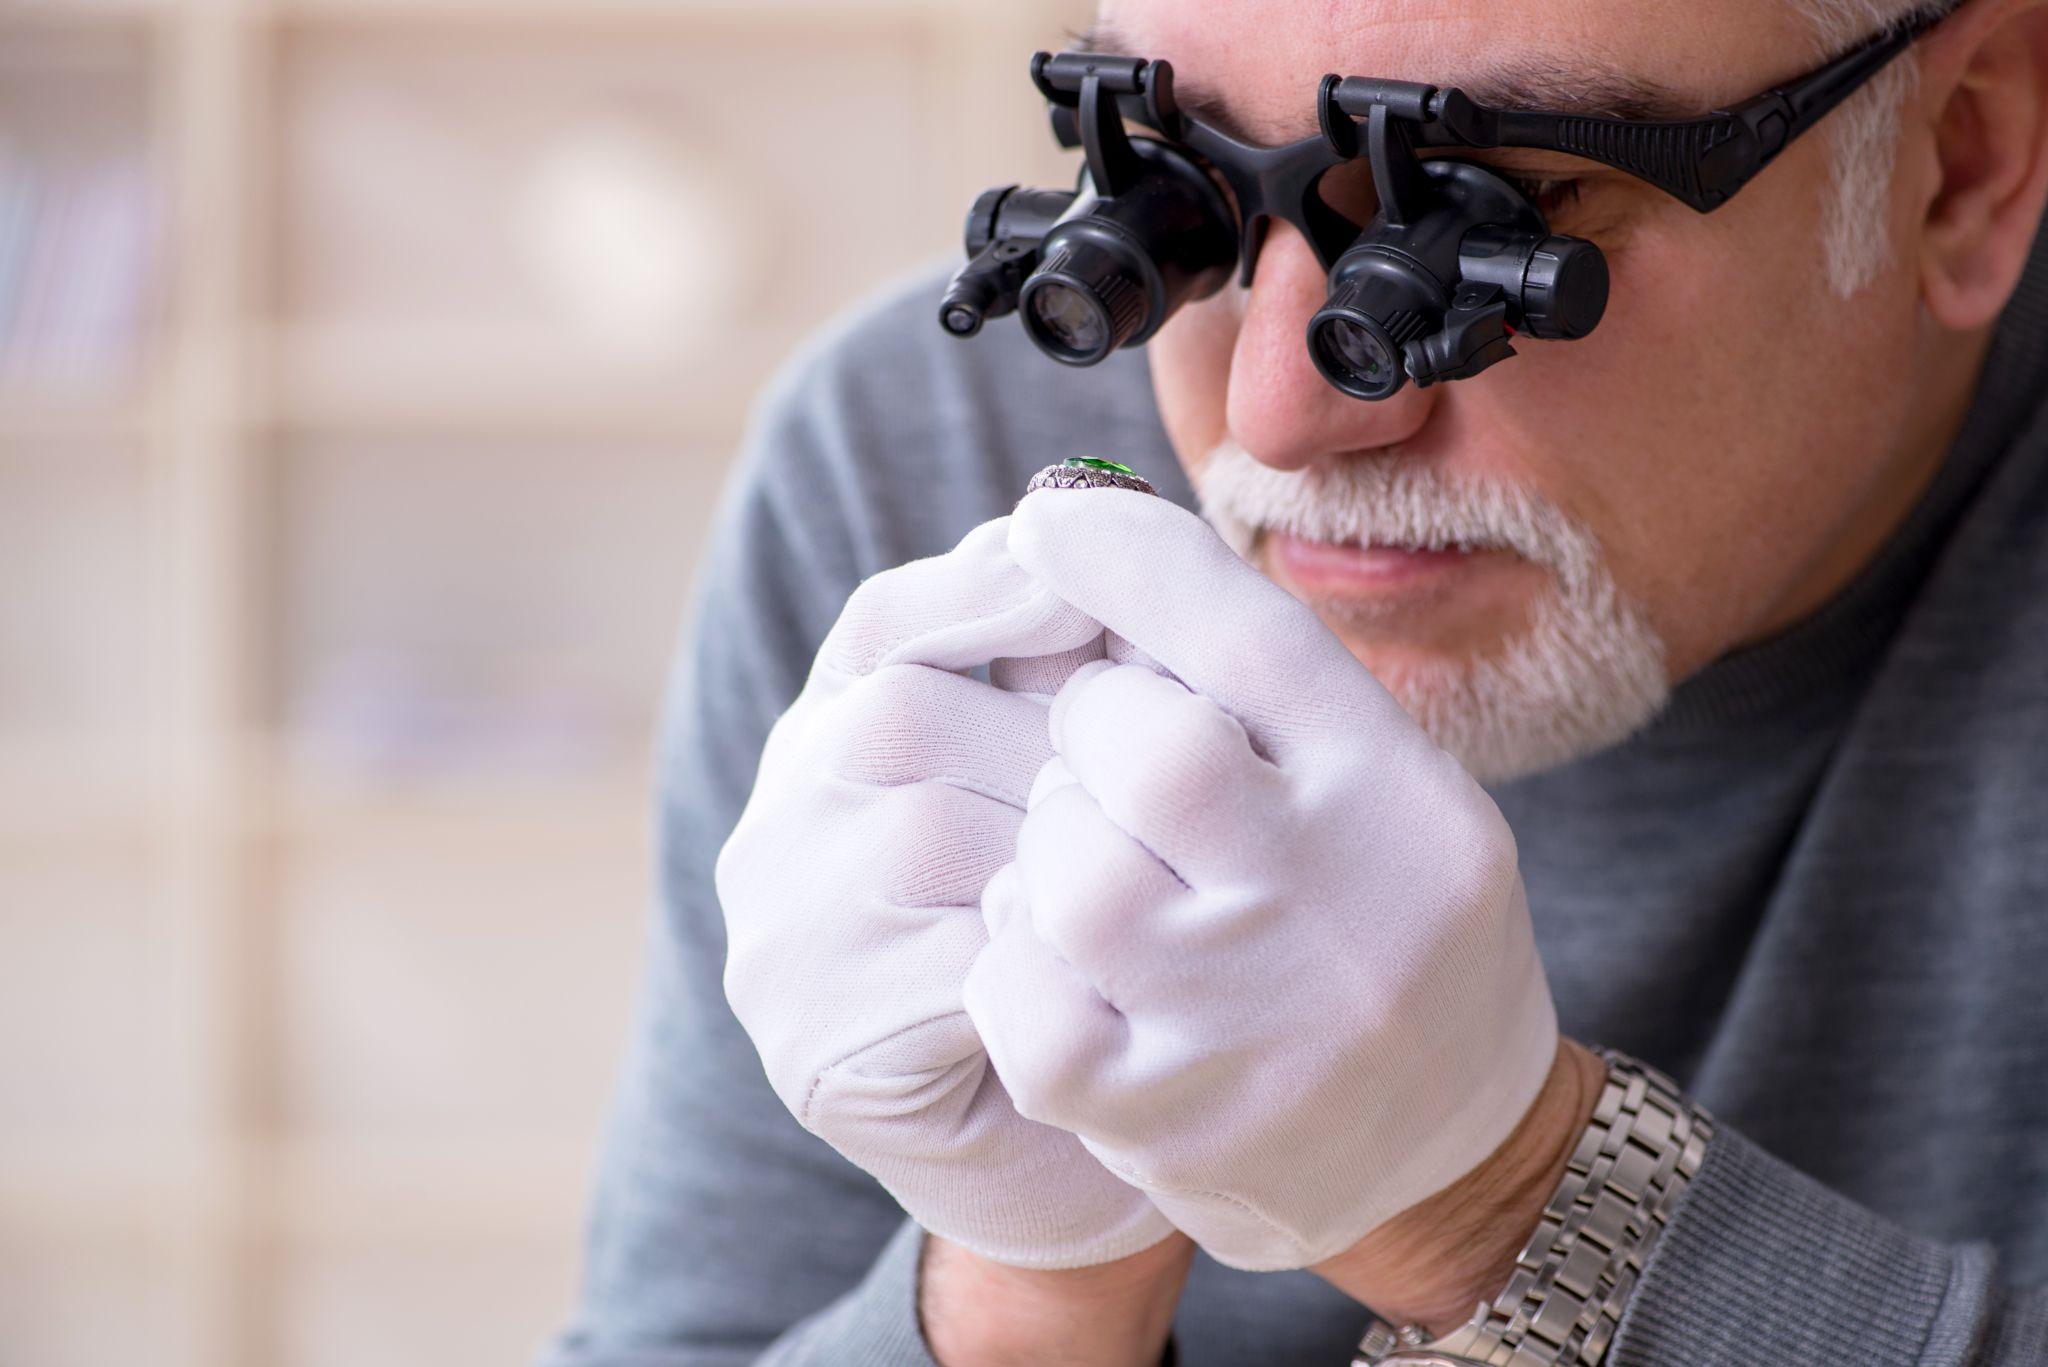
<point x="1574" y="1277"/>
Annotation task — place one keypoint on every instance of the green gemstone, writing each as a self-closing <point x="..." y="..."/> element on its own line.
<point x="1090" y="463"/>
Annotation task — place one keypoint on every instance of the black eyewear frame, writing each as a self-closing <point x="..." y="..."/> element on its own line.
<point x="1147" y="229"/>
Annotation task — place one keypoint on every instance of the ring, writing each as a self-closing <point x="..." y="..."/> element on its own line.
<point x="1086" y="472"/>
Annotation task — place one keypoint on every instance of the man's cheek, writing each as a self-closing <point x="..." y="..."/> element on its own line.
<point x="1660" y="371"/>
<point x="1190" y="359"/>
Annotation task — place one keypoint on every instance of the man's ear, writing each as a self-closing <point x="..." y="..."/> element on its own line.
<point x="1984" y="88"/>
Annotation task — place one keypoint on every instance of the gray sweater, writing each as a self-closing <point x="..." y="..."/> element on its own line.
<point x="1815" y="891"/>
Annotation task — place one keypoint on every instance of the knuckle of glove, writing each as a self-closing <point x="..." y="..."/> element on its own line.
<point x="1165" y="769"/>
<point x="1046" y="1038"/>
<point x="883" y="722"/>
<point x="1043" y="1075"/>
<point x="863" y="630"/>
<point x="849" y="923"/>
<point x="1089" y="888"/>
<point x="1476" y="846"/>
<point x="1039" y="1080"/>
<point x="909" y="723"/>
<point x="887" y="609"/>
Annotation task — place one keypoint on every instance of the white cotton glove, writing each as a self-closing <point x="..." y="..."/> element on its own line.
<point x="887" y="796"/>
<point x="1264" y="947"/>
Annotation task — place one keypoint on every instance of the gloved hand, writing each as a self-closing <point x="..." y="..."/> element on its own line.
<point x="887" y="796"/>
<point x="1264" y="946"/>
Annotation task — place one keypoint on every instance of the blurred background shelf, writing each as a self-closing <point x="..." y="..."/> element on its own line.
<point x="368" y="372"/>
<point x="27" y="417"/>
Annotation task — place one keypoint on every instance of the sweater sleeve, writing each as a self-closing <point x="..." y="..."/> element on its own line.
<point x="1763" y="1264"/>
<point x="874" y="1325"/>
<point x="717" y="1225"/>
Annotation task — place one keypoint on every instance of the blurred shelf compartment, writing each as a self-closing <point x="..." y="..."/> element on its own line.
<point x="53" y="15"/>
<point x="492" y="232"/>
<point x="584" y="13"/>
<point x="74" y="590"/>
<point x="72" y="1297"/>
<point x="438" y="813"/>
<point x="64" y="791"/>
<point x="481" y="609"/>
<point x="65" y="797"/>
<point x="323" y="392"/>
<point x="491" y="1181"/>
<point x="80" y="216"/>
<point x="346" y="1187"/>
<point x="105" y="1184"/>
<point x="496" y="13"/>
<point x="33" y="415"/>
<point x="497" y="968"/>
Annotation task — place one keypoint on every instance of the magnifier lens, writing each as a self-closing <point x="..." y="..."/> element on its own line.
<point x="1357" y="358"/>
<point x="1357" y="350"/>
<point x="1069" y="319"/>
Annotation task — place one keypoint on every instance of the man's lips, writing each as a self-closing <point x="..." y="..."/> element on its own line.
<point x="1321" y="566"/>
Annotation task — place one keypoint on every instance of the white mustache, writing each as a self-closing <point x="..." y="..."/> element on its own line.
<point x="1587" y="670"/>
<point x="1391" y="500"/>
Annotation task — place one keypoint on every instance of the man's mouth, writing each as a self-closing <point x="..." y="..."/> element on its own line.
<point x="1332" y="568"/>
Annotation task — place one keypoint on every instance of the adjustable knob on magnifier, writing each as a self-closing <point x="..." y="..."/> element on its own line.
<point x="1564" y="293"/>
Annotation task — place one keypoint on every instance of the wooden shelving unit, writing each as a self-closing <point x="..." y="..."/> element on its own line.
<point x="333" y="617"/>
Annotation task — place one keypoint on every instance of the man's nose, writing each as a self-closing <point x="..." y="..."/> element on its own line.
<point x="1280" y="407"/>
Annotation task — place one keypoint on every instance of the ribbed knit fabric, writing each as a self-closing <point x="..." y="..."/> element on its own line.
<point x="1764" y="1265"/>
<point x="1812" y="892"/>
<point x="877" y="1326"/>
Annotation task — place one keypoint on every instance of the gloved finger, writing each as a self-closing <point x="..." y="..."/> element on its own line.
<point x="912" y="724"/>
<point x="1053" y="1039"/>
<point x="924" y="1114"/>
<point x="1040" y="676"/>
<point x="953" y="611"/>
<point x="844" y="947"/>
<point x="1161" y="578"/>
<point x="1057" y="705"/>
<point x="1173" y="770"/>
<point x="1052" y="775"/>
<point x="891" y="867"/>
<point x="1100" y="899"/>
<point x="936" y="845"/>
<point x="1003" y="900"/>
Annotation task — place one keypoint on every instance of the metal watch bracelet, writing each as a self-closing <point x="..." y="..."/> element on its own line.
<point x="1573" y="1280"/>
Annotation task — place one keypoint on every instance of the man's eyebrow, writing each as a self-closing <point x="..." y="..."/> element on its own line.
<point x="1593" y="91"/>
<point x="1596" y="91"/>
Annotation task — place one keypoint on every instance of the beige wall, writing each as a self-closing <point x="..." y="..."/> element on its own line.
<point x="367" y="370"/>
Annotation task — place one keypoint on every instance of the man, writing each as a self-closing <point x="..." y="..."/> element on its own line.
<point x="1178" y="974"/>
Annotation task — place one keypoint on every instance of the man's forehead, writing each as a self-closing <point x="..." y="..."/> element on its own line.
<point x="1251" y="66"/>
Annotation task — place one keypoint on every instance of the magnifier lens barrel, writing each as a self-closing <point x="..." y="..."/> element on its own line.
<point x="1087" y="300"/>
<point x="1377" y="305"/>
<point x="1115" y="268"/>
<point x="1354" y="353"/>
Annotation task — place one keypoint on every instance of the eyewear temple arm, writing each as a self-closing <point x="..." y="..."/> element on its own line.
<point x="1701" y="162"/>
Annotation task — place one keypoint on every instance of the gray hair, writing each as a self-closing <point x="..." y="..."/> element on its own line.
<point x="1855" y="229"/>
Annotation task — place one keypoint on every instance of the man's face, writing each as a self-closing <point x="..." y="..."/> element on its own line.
<point x="1731" y="443"/>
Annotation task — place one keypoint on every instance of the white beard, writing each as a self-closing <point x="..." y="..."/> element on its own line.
<point x="1585" y="673"/>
